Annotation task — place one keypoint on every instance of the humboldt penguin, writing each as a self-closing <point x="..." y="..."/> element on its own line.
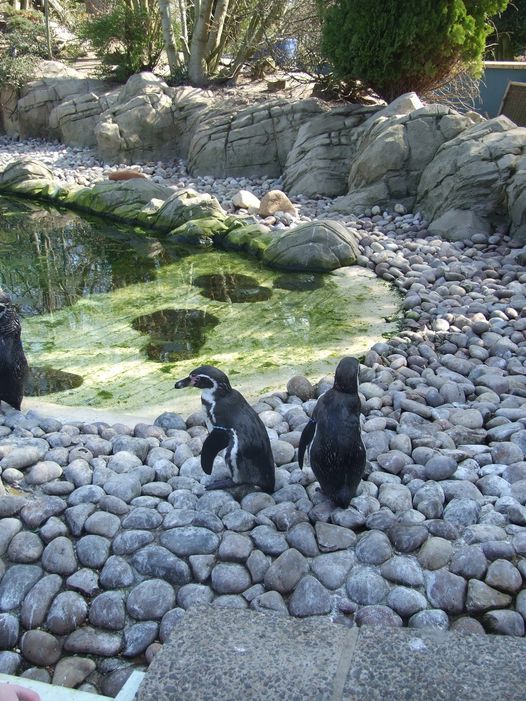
<point x="13" y="363"/>
<point x="233" y="425"/>
<point x="337" y="453"/>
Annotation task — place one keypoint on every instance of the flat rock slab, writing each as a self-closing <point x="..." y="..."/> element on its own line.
<point x="227" y="654"/>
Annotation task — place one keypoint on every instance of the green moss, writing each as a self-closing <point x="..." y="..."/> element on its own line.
<point x="262" y="344"/>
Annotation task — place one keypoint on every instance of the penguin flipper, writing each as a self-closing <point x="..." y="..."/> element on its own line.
<point x="218" y="439"/>
<point x="306" y="436"/>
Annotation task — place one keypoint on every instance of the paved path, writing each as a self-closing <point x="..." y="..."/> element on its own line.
<point x="219" y="654"/>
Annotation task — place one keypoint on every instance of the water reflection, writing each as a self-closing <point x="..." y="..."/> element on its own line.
<point x="46" y="380"/>
<point x="175" y="334"/>
<point x="121" y="313"/>
<point x="49" y="259"/>
<point x="231" y="287"/>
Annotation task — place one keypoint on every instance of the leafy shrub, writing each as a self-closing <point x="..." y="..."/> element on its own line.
<point x="22" y="43"/>
<point x="395" y="46"/>
<point x="127" y="38"/>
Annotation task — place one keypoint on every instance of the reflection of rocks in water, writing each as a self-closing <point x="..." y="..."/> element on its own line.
<point x="175" y="334"/>
<point x="47" y="380"/>
<point x="299" y="282"/>
<point x="65" y="257"/>
<point x="229" y="287"/>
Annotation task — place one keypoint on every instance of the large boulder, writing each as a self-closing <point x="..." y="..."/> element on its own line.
<point x="134" y="201"/>
<point x="516" y="193"/>
<point x="473" y="173"/>
<point x="148" y="120"/>
<point x="75" y="119"/>
<point x="185" y="205"/>
<point x="253" y="239"/>
<point x="318" y="164"/>
<point x="315" y="246"/>
<point x="57" y="82"/>
<point x="393" y="147"/>
<point x="28" y="177"/>
<point x="254" y="141"/>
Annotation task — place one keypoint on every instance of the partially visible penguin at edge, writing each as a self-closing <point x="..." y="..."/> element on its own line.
<point x="13" y="363"/>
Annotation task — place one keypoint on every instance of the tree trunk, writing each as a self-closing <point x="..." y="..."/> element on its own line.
<point x="48" y="31"/>
<point x="183" y="29"/>
<point x="215" y="36"/>
<point x="168" y="36"/>
<point x="197" y="68"/>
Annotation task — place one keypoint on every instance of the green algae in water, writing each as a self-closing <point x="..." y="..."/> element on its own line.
<point x="90" y="331"/>
<point x="260" y="344"/>
<point x="299" y="282"/>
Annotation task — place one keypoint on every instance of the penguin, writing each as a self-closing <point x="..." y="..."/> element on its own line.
<point x="337" y="453"/>
<point x="13" y="363"/>
<point x="234" y="425"/>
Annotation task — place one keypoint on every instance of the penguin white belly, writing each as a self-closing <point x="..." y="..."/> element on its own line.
<point x="207" y="399"/>
<point x="231" y="457"/>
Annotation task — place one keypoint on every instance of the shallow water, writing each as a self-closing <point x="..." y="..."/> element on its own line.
<point x="128" y="313"/>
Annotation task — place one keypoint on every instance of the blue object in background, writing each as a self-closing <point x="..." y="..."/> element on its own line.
<point x="284" y="50"/>
<point x="493" y="84"/>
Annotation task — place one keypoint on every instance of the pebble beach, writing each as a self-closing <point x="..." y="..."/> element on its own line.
<point x="107" y="533"/>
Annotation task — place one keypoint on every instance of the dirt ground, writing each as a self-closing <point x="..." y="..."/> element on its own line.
<point x="292" y="86"/>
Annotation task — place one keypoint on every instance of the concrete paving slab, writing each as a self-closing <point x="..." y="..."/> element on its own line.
<point x="235" y="655"/>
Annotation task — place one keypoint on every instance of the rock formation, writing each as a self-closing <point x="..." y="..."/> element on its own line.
<point x="463" y="172"/>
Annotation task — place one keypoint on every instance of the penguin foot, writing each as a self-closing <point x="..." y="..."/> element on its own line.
<point x="220" y="484"/>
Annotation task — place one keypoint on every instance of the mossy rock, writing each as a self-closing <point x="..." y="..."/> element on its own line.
<point x="198" y="232"/>
<point x="28" y="177"/>
<point x="315" y="247"/>
<point x="121" y="199"/>
<point x="183" y="206"/>
<point x="253" y="239"/>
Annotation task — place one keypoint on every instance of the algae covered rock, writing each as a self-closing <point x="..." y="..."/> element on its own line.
<point x="314" y="246"/>
<point x="28" y="177"/>
<point x="184" y="205"/>
<point x="198" y="232"/>
<point x="250" y="238"/>
<point x="129" y="200"/>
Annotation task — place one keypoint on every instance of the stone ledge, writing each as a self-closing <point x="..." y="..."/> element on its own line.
<point x="229" y="655"/>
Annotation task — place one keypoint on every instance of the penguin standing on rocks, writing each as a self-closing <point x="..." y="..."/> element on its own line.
<point x="337" y="453"/>
<point x="13" y="363"/>
<point x="233" y="425"/>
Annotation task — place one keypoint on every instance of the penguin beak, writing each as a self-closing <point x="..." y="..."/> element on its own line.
<point x="185" y="382"/>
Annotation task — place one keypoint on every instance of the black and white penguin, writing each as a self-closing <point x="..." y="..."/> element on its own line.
<point x="233" y="425"/>
<point x="13" y="363"/>
<point x="337" y="453"/>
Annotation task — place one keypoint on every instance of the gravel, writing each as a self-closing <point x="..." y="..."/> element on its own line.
<point x="108" y="535"/>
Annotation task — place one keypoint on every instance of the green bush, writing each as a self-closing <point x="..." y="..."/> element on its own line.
<point x="22" y="44"/>
<point x="127" y="38"/>
<point x="395" y="46"/>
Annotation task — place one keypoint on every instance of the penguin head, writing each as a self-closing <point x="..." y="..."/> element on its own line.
<point x="5" y="301"/>
<point x="346" y="375"/>
<point x="206" y="377"/>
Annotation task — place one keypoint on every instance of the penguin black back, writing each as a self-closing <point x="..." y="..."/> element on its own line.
<point x="234" y="425"/>
<point x="337" y="454"/>
<point x="13" y="363"/>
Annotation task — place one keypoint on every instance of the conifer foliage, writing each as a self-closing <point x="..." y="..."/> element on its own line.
<point x="396" y="46"/>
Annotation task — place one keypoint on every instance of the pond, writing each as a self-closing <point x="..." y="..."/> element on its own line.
<point x="112" y="315"/>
